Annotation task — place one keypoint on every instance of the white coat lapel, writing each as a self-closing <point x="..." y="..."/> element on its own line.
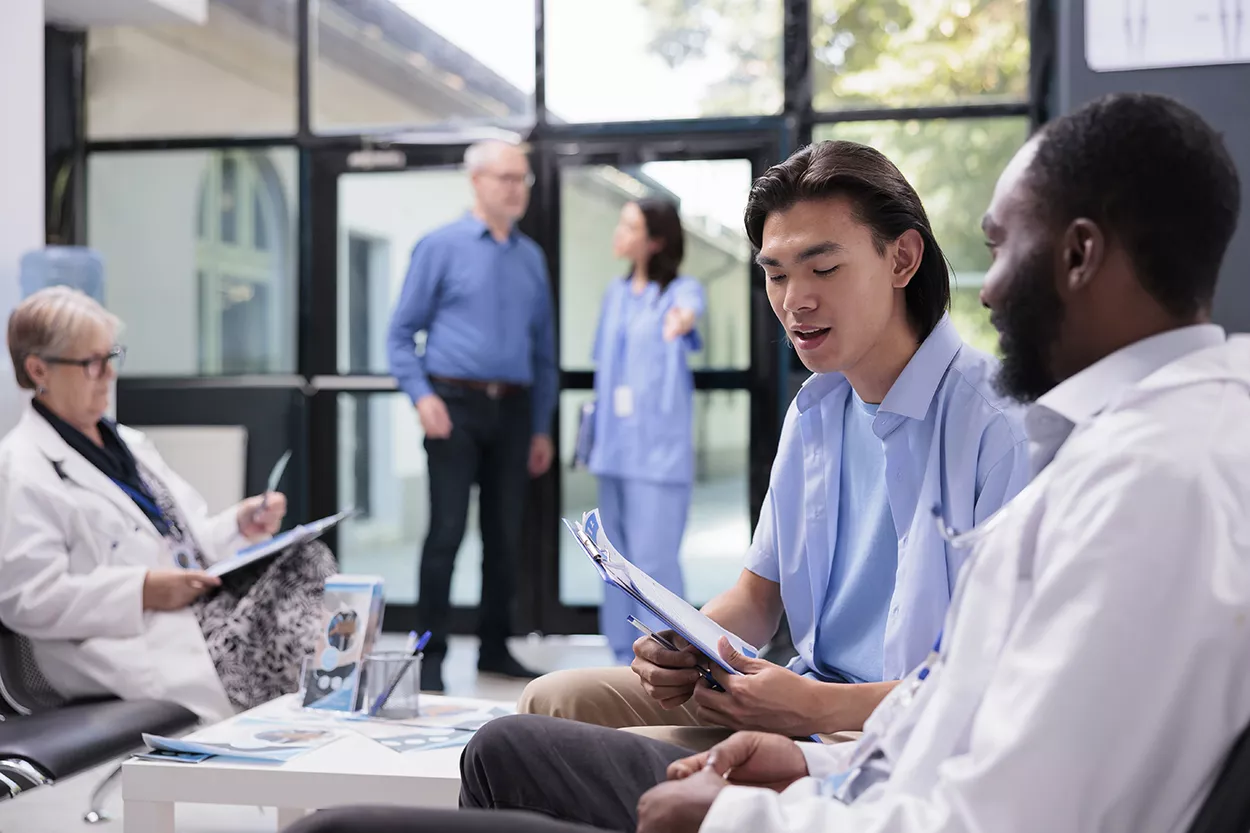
<point x="72" y="468"/>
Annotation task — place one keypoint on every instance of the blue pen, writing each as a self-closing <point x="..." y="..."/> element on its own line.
<point x="664" y="643"/>
<point x="394" y="683"/>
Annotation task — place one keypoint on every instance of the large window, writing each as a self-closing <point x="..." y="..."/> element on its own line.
<point x="964" y="55"/>
<point x="199" y="257"/>
<point x="633" y="60"/>
<point x="255" y="185"/>
<point x="874" y="53"/>
<point x="387" y="63"/>
<point x="232" y="76"/>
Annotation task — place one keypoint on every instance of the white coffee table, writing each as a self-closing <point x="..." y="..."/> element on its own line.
<point x="351" y="770"/>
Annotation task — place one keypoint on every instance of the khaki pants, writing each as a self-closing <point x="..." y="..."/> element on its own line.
<point x="614" y="697"/>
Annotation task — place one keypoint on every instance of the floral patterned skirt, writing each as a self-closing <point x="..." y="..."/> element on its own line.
<point x="263" y="621"/>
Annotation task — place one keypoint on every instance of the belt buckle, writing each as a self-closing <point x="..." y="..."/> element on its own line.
<point x="494" y="390"/>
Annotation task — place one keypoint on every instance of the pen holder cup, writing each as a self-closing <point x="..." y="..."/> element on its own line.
<point x="392" y="682"/>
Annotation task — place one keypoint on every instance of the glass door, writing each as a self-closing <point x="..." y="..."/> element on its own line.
<point x="372" y="206"/>
<point x="736" y="410"/>
<point x="370" y="209"/>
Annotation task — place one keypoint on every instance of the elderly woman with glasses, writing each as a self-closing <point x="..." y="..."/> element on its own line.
<point x="104" y="549"/>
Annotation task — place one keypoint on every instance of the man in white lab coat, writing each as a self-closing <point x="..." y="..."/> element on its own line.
<point x="1092" y="673"/>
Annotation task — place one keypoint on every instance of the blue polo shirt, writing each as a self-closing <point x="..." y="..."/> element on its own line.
<point x="946" y="438"/>
<point x="485" y="307"/>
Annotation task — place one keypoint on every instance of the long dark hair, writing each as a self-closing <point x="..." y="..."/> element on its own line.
<point x="663" y="223"/>
<point x="884" y="201"/>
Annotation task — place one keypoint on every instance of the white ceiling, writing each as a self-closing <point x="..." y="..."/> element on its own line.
<point x="85" y="13"/>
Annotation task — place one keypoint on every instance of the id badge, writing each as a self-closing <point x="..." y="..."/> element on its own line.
<point x="184" y="557"/>
<point x="623" y="401"/>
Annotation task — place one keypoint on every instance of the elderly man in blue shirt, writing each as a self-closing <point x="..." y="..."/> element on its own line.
<point x="899" y="418"/>
<point x="485" y="389"/>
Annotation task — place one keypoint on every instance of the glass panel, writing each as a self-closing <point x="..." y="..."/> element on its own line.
<point x="868" y="53"/>
<point x="234" y="75"/>
<point x="422" y="62"/>
<point x="663" y="59"/>
<point x="382" y="472"/>
<point x="953" y="165"/>
<point x="718" y="530"/>
<point x="195" y="299"/>
<point x="381" y="218"/>
<point x="711" y="195"/>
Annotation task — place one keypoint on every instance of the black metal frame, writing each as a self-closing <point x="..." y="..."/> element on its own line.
<point x="322" y="158"/>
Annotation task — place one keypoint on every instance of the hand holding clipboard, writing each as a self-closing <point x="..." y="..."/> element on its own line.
<point x="667" y="645"/>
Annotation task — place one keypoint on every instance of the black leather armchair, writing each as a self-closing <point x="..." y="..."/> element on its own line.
<point x="43" y="738"/>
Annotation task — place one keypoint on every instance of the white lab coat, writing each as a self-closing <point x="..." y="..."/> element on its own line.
<point x="74" y="550"/>
<point x="1093" y="671"/>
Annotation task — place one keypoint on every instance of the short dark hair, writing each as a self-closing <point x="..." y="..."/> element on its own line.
<point x="884" y="201"/>
<point x="1156" y="178"/>
<point x="664" y="224"/>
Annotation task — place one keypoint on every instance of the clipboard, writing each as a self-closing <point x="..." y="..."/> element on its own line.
<point x="278" y="543"/>
<point x="667" y="606"/>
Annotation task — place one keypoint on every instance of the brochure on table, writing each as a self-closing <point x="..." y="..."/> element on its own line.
<point x="250" y="738"/>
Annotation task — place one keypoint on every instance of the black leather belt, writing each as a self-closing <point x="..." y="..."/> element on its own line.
<point x="493" y="390"/>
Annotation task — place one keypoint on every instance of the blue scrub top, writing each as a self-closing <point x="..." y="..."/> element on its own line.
<point x="655" y="442"/>
<point x="949" y="440"/>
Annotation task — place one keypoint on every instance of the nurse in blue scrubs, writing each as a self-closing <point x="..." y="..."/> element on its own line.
<point x="643" y="450"/>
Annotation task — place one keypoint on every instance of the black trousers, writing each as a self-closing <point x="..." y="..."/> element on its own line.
<point x="530" y="774"/>
<point x="489" y="445"/>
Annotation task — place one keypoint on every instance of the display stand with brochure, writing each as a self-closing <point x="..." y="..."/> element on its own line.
<point x="351" y="622"/>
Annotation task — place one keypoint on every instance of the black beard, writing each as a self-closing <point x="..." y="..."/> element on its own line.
<point x="1028" y="322"/>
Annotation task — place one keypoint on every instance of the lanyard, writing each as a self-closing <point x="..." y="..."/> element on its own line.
<point x="149" y="507"/>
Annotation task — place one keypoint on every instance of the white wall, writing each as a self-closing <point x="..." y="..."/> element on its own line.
<point x="21" y="165"/>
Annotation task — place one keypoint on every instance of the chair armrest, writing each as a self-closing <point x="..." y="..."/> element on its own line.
<point x="65" y="741"/>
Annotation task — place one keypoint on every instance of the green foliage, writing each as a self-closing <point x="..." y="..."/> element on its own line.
<point x="953" y="165"/>
<point x="900" y="52"/>
<point x="884" y="53"/>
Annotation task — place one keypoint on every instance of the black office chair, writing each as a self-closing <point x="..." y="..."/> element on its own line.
<point x="44" y="738"/>
<point x="1226" y="808"/>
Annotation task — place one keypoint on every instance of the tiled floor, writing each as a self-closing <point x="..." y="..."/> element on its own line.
<point x="59" y="809"/>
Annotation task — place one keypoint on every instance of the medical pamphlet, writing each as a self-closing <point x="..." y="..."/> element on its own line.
<point x="674" y="611"/>
<point x="351" y="623"/>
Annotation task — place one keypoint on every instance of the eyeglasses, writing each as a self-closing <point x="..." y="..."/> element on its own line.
<point x="94" y="366"/>
<point x="514" y="179"/>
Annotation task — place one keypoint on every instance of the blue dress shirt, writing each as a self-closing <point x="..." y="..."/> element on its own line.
<point x="850" y="636"/>
<point x="654" y="442"/>
<point x="485" y="307"/>
<point x="949" y="439"/>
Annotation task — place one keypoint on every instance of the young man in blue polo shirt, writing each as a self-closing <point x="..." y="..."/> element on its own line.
<point x="898" y="419"/>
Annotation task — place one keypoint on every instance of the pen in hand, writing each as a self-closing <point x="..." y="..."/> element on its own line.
<point x="275" y="477"/>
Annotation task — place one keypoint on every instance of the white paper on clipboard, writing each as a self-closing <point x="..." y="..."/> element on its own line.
<point x="674" y="611"/>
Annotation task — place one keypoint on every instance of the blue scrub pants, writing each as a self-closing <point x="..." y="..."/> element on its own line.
<point x="645" y="522"/>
